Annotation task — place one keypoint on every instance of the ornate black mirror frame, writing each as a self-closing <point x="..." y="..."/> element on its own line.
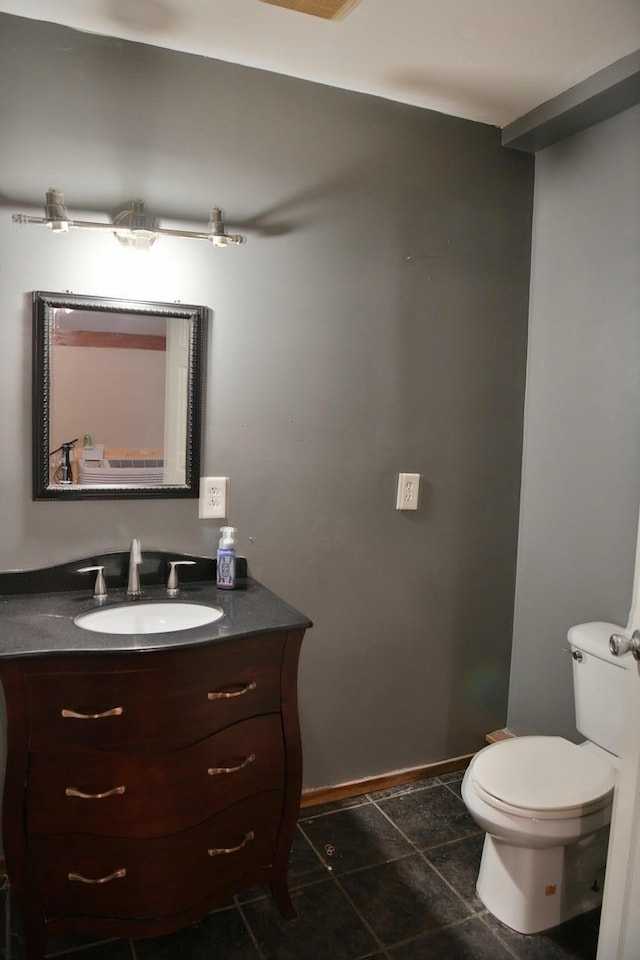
<point x="44" y="306"/>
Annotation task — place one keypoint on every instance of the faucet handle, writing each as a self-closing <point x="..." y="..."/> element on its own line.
<point x="172" y="583"/>
<point x="100" y="588"/>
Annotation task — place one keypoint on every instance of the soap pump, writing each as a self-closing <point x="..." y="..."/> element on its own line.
<point x="226" y="559"/>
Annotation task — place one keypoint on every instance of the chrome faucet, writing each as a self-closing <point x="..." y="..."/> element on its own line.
<point x="135" y="559"/>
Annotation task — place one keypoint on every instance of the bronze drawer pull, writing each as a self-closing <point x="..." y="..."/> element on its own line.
<point x="74" y="792"/>
<point x="116" y="712"/>
<point x="116" y="875"/>
<point x="226" y="694"/>
<point x="216" y="851"/>
<point x="213" y="771"/>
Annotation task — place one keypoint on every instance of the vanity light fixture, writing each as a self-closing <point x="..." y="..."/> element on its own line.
<point x="132" y="228"/>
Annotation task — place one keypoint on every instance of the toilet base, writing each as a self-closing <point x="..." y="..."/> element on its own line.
<point x="531" y="890"/>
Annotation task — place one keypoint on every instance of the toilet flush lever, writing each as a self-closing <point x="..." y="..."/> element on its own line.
<point x="620" y="645"/>
<point x="576" y="654"/>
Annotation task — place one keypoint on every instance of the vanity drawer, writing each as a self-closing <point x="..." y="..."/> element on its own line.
<point x="161" y="701"/>
<point x="150" y="794"/>
<point x="150" y="878"/>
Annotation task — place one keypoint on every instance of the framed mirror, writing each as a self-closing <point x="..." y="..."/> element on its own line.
<point x="116" y="398"/>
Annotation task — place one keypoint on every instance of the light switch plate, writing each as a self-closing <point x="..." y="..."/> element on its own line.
<point x="408" y="491"/>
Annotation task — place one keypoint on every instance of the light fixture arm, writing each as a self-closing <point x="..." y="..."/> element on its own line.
<point x="132" y="227"/>
<point x="80" y="224"/>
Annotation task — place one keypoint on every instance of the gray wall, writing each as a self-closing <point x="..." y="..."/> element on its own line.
<point x="581" y="474"/>
<point x="374" y="323"/>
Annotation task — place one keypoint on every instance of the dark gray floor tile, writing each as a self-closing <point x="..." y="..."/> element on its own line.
<point x="254" y="893"/>
<point x="305" y="867"/>
<point x="452" y="777"/>
<point x="109" y="950"/>
<point x="403" y="899"/>
<point x="308" y="813"/>
<point x="469" y="940"/>
<point x="575" y="940"/>
<point x="220" y="936"/>
<point x="63" y="946"/>
<point x="402" y="788"/>
<point x="578" y="938"/>
<point x="354" y="838"/>
<point x="430" y="817"/>
<point x="304" y="863"/>
<point x="326" y="928"/>
<point x="459" y="862"/>
<point x="456" y="787"/>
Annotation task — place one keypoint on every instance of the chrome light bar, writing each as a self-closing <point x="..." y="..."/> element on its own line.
<point x="132" y="227"/>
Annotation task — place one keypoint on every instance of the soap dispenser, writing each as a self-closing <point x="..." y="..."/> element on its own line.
<point x="226" y="559"/>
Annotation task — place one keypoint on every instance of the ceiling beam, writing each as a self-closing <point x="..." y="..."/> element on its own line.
<point x="606" y="93"/>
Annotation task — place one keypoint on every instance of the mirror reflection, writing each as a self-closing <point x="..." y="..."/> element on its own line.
<point x="116" y="390"/>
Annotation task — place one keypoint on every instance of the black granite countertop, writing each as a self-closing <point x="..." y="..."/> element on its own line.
<point x="36" y="623"/>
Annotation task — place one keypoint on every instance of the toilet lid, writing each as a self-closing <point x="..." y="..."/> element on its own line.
<point x="542" y="773"/>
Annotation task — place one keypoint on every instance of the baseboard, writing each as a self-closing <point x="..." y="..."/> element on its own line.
<point x="497" y="735"/>
<point x="344" y="791"/>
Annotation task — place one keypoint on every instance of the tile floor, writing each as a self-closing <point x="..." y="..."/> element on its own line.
<point x="387" y="876"/>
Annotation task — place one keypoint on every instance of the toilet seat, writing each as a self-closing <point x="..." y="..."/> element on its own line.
<point x="542" y="778"/>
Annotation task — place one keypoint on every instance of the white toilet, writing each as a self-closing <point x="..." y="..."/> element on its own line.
<point x="545" y="803"/>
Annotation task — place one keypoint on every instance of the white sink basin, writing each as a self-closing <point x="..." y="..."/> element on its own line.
<point x="148" y="617"/>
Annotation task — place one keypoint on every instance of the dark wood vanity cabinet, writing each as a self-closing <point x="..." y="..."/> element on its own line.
<point x="144" y="789"/>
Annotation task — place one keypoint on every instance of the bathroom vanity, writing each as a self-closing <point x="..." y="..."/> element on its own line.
<point x="150" y="777"/>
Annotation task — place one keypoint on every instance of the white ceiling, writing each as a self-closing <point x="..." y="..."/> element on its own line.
<point x="486" y="60"/>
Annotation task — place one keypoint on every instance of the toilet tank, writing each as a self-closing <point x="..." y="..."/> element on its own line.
<point x="598" y="683"/>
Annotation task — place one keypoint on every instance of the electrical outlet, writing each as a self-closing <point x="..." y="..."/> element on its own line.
<point x="408" y="490"/>
<point x="213" y="497"/>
